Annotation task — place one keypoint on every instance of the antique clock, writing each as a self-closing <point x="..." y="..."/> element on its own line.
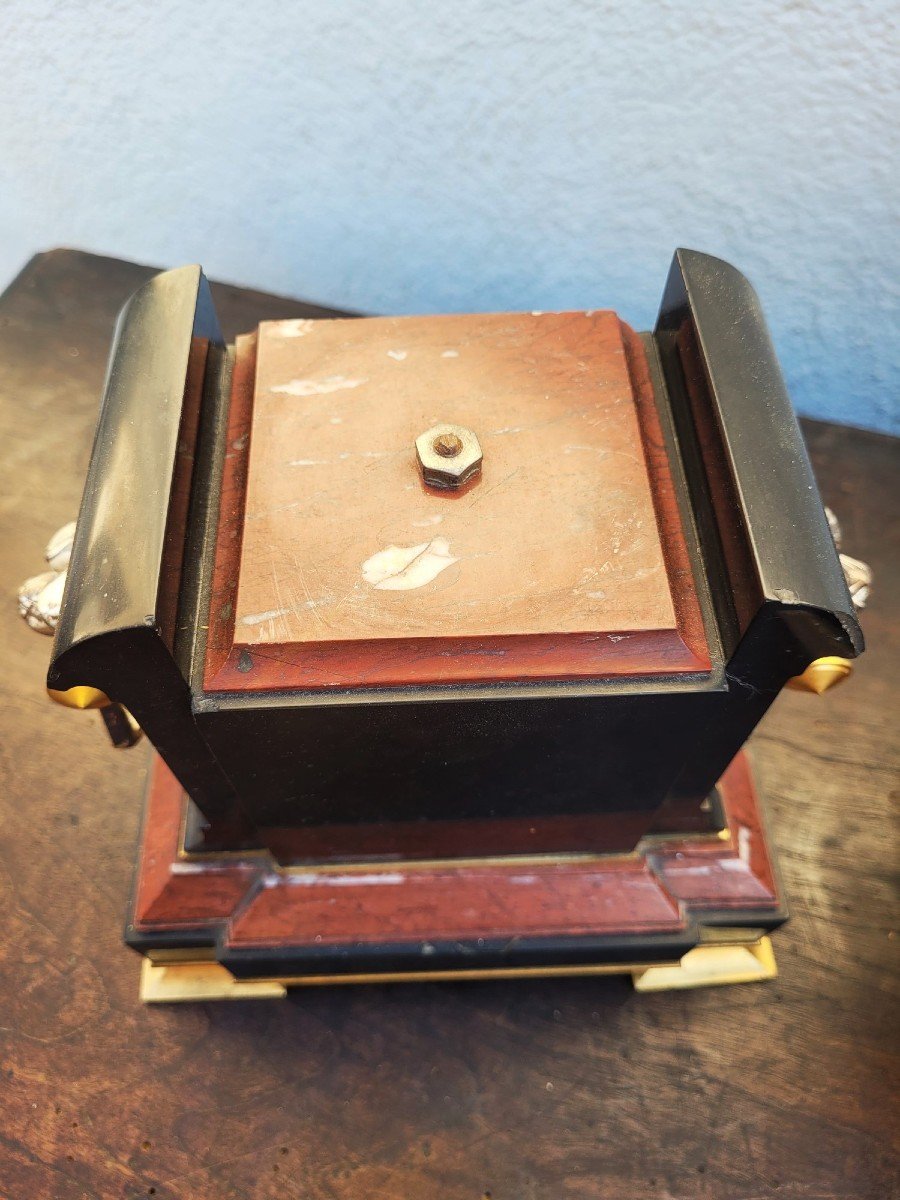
<point x="448" y="633"/>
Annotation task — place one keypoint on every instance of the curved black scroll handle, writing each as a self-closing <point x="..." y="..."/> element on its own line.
<point x="117" y="620"/>
<point x="778" y="589"/>
<point x="758" y="507"/>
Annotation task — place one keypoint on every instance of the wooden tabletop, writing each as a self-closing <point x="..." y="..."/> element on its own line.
<point x="515" y="1091"/>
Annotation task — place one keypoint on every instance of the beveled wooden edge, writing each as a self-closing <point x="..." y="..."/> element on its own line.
<point x="405" y="662"/>
<point x="245" y="903"/>
<point x="736" y="873"/>
<point x="234" y="666"/>
<point x="227" y="554"/>
<point x="668" y="518"/>
<point x="348" y="846"/>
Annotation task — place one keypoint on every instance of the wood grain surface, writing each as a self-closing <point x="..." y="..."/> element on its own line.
<point x="524" y="1091"/>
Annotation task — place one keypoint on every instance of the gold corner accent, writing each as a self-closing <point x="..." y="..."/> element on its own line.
<point x="821" y="675"/>
<point x="81" y="697"/>
<point x="121" y="726"/>
<point x="196" y="981"/>
<point x="711" y="966"/>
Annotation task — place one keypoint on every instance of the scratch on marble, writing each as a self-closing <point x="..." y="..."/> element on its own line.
<point x="294" y="328"/>
<point x="261" y="618"/>
<point x="402" y="568"/>
<point x="318" y="387"/>
<point x="744" y="839"/>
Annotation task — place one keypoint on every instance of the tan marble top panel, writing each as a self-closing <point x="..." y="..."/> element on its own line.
<point x="558" y="535"/>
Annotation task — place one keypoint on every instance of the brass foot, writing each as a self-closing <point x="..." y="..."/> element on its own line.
<point x="171" y="983"/>
<point x="709" y="966"/>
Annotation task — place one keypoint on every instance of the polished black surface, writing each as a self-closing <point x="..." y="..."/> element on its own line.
<point x="778" y="505"/>
<point x="768" y="577"/>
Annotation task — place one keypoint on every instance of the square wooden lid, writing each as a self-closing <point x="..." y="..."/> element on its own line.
<point x="563" y="559"/>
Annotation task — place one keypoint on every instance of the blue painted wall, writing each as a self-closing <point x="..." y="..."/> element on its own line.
<point x="479" y="154"/>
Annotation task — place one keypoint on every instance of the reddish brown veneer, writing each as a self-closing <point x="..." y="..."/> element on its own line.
<point x="659" y="889"/>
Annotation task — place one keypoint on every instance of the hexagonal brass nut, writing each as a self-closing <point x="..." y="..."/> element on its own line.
<point x="449" y="455"/>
